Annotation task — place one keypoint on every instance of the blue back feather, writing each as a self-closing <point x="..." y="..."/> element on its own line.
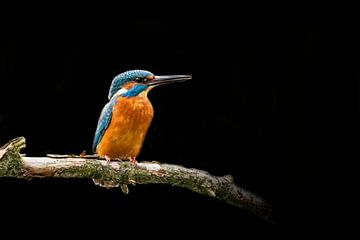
<point x="103" y="122"/>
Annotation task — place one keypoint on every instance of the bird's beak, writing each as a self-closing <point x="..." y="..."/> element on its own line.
<point x="161" y="80"/>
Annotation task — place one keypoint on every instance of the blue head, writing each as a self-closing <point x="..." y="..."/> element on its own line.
<point x="133" y="82"/>
<point x="128" y="76"/>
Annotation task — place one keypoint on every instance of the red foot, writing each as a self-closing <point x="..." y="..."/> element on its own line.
<point x="108" y="159"/>
<point x="133" y="160"/>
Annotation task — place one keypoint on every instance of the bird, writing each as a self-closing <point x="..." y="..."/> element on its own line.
<point x="126" y="117"/>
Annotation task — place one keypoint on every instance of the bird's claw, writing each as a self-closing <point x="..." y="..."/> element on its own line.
<point x="133" y="161"/>
<point x="108" y="159"/>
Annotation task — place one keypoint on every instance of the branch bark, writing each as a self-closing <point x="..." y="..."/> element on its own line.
<point x="121" y="174"/>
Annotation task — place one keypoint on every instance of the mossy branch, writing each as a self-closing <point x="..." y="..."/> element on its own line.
<point x="120" y="174"/>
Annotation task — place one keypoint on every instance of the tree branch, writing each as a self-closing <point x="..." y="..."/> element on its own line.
<point x="121" y="174"/>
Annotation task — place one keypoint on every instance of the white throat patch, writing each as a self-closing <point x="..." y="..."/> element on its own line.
<point x="119" y="92"/>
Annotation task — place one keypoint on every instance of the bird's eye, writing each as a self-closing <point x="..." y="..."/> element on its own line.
<point x="138" y="79"/>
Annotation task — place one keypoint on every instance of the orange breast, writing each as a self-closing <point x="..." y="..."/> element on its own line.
<point x="125" y="134"/>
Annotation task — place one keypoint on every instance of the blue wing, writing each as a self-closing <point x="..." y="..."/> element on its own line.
<point x="103" y="122"/>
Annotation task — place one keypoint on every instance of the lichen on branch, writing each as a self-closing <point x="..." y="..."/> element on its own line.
<point x="123" y="173"/>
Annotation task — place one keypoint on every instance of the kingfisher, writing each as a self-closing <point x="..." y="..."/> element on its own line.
<point x="125" y="119"/>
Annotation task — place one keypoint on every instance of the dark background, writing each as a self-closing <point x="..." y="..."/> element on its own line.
<point x="253" y="110"/>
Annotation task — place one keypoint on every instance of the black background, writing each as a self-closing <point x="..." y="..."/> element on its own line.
<point x="253" y="110"/>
